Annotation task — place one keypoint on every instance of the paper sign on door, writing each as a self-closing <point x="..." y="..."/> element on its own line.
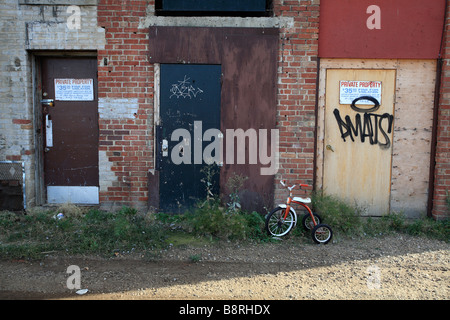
<point x="74" y="89"/>
<point x="350" y="90"/>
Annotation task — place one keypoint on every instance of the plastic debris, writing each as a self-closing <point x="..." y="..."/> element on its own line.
<point x="82" y="291"/>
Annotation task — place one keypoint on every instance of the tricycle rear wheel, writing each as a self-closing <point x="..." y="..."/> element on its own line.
<point x="322" y="233"/>
<point x="308" y="223"/>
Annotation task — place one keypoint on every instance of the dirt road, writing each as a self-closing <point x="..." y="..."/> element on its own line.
<point x="391" y="267"/>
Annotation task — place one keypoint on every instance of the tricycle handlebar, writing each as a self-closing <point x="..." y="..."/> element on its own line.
<point x="292" y="187"/>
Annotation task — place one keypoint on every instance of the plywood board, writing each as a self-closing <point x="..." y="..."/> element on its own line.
<point x="414" y="101"/>
<point x="357" y="162"/>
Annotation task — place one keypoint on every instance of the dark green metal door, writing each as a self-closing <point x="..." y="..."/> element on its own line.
<point x="189" y="106"/>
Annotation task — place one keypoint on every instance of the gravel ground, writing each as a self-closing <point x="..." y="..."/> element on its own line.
<point x="389" y="267"/>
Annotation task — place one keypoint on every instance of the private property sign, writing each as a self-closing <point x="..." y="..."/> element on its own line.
<point x="74" y="89"/>
<point x="350" y="90"/>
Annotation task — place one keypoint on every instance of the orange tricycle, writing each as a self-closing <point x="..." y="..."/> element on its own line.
<point x="283" y="219"/>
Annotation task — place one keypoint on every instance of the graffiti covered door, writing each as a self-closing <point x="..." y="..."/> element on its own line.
<point x="189" y="108"/>
<point x="358" y="137"/>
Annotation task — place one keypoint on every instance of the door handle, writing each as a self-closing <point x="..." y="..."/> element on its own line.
<point x="328" y="147"/>
<point x="165" y="148"/>
<point x="48" y="132"/>
<point x="48" y="102"/>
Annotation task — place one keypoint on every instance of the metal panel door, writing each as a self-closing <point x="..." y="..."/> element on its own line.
<point x="358" y="141"/>
<point x="189" y="106"/>
<point x="70" y="125"/>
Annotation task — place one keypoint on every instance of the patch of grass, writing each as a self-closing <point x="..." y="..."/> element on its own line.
<point x="195" y="258"/>
<point x="184" y="239"/>
<point x="95" y="231"/>
<point x="338" y="214"/>
<point x="347" y="221"/>
<point x="211" y="219"/>
<point x="425" y="226"/>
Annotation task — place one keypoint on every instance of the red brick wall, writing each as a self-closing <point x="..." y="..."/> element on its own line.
<point x="297" y="77"/>
<point x="442" y="170"/>
<point x="124" y="73"/>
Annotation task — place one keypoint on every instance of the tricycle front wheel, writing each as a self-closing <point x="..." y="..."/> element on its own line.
<point x="276" y="225"/>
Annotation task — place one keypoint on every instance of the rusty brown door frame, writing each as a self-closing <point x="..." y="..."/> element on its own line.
<point x="241" y="52"/>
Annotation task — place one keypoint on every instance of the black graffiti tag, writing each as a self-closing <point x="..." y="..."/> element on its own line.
<point x="371" y="126"/>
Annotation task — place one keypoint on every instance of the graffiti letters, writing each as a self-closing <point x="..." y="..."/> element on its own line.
<point x="184" y="89"/>
<point x="372" y="126"/>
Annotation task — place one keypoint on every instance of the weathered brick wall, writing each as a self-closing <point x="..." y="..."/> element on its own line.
<point x="16" y="117"/>
<point x="118" y="31"/>
<point x="125" y="104"/>
<point x="126" y="92"/>
<point x="442" y="170"/>
<point x="31" y="27"/>
<point x="297" y="77"/>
